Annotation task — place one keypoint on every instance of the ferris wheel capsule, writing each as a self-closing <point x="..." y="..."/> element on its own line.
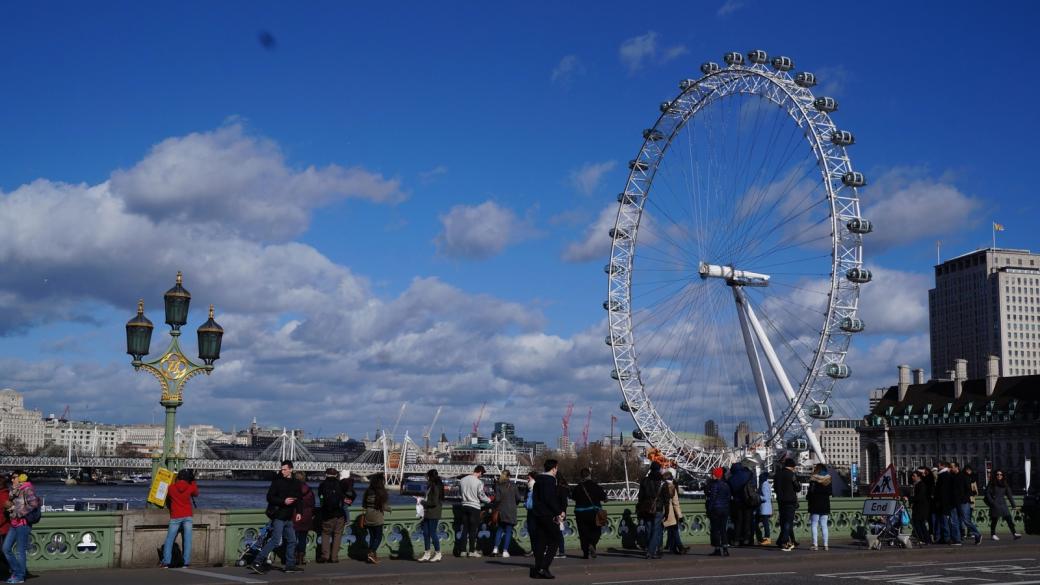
<point x="652" y="135"/>
<point x="783" y="63"/>
<point x="758" y="57"/>
<point x="709" y="68"/>
<point x="858" y="275"/>
<point x="805" y="79"/>
<point x="620" y="375"/>
<point x="612" y="306"/>
<point x="851" y="325"/>
<point x="625" y="198"/>
<point x="843" y="138"/>
<point x="821" y="411"/>
<point x="734" y="58"/>
<point x="858" y="225"/>
<point x="625" y="407"/>
<point x="853" y="179"/>
<point x="618" y="234"/>
<point x="638" y="165"/>
<point x="638" y="435"/>
<point x="687" y="84"/>
<point x="826" y="104"/>
<point x="614" y="269"/>
<point x="838" y="371"/>
<point x="798" y="444"/>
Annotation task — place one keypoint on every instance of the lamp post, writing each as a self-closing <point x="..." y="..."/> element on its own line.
<point x="173" y="369"/>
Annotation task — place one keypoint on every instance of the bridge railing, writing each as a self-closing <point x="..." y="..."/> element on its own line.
<point x="130" y="538"/>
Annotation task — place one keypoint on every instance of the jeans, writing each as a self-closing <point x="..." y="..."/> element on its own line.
<point x="176" y="525"/>
<point x="503" y="536"/>
<point x="967" y="520"/>
<point x="951" y="528"/>
<point x="429" y="532"/>
<point x="470" y="527"/>
<point x="762" y="526"/>
<point x="280" y="530"/>
<point x="821" y="520"/>
<point x="654" y="529"/>
<point x="787" y="513"/>
<point x="17" y="536"/>
<point x="375" y="537"/>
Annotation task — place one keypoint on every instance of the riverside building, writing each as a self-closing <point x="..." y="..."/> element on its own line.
<point x="986" y="303"/>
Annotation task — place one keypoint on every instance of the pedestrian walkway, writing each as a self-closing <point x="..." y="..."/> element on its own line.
<point x="992" y="562"/>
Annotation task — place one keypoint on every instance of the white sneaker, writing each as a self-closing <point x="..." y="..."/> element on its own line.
<point x="994" y="537"/>
<point x="425" y="557"/>
<point x="436" y="558"/>
<point x="494" y="551"/>
<point x="505" y="554"/>
<point x="464" y="554"/>
<point x="476" y="553"/>
<point x="1017" y="536"/>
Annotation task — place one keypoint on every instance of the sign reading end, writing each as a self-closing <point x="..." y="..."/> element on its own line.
<point x="880" y="507"/>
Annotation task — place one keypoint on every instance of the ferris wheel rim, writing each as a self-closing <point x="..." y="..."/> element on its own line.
<point x="812" y="389"/>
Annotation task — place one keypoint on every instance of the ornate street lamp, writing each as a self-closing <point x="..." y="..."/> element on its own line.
<point x="173" y="369"/>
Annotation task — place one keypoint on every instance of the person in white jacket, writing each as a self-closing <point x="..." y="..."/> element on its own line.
<point x="473" y="499"/>
<point x="765" y="510"/>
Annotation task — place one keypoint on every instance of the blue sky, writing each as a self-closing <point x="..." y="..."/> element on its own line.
<point x="395" y="203"/>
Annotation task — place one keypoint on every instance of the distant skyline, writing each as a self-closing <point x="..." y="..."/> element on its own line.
<point x="407" y="203"/>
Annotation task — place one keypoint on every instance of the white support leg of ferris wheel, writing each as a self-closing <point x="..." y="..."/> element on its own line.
<point x="781" y="376"/>
<point x="752" y="354"/>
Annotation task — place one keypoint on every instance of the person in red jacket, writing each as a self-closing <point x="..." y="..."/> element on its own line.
<point x="179" y="498"/>
<point x="5" y="522"/>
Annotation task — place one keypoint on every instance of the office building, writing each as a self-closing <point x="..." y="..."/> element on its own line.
<point x="986" y="303"/>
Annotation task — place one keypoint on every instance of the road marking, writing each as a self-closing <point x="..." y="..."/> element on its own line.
<point x="849" y="573"/>
<point x="697" y="577"/>
<point x="945" y="564"/>
<point x="219" y="576"/>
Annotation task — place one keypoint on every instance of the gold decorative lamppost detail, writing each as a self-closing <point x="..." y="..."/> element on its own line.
<point x="173" y="369"/>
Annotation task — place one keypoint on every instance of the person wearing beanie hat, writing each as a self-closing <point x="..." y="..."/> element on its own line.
<point x="716" y="503"/>
<point x="652" y="507"/>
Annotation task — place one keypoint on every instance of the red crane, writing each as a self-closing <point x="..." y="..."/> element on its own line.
<point x="567" y="423"/>
<point x="585" y="430"/>
<point x="480" y="417"/>
<point x="64" y="415"/>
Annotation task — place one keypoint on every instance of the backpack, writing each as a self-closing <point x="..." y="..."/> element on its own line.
<point x="331" y="498"/>
<point x="33" y="516"/>
<point x="751" y="497"/>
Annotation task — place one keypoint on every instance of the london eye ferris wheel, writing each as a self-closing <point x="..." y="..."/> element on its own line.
<point x="736" y="263"/>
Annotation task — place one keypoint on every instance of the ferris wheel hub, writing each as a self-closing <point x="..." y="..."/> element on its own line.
<point x="732" y="276"/>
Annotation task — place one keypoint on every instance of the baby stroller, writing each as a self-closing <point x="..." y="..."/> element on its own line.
<point x="254" y="546"/>
<point x="888" y="530"/>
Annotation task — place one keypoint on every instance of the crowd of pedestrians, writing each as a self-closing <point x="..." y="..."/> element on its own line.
<point x="943" y="501"/>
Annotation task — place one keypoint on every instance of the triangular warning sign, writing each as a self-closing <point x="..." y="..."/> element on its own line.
<point x="886" y="484"/>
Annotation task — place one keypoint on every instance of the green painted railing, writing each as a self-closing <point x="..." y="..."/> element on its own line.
<point x="72" y="540"/>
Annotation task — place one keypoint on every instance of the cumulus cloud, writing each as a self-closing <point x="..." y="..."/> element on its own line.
<point x="729" y="7"/>
<point x="478" y="232"/>
<point x="586" y="179"/>
<point x="239" y="181"/>
<point x="639" y="51"/>
<point x="895" y="301"/>
<point x="427" y="177"/>
<point x="595" y="242"/>
<point x="907" y="205"/>
<point x="569" y="68"/>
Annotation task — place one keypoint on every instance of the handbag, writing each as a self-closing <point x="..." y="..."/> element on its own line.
<point x="602" y="518"/>
<point x="494" y="517"/>
<point x="361" y="521"/>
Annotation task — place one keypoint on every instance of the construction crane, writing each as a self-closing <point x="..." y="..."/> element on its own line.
<point x="585" y="430"/>
<point x="429" y="429"/>
<point x="480" y="417"/>
<point x="567" y="425"/>
<point x="400" y="413"/>
<point x="64" y="415"/>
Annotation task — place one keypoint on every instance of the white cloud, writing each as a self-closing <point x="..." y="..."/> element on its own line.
<point x="569" y="68"/>
<point x="729" y="7"/>
<point x="906" y="205"/>
<point x="427" y="177"/>
<point x="238" y="181"/>
<point x="478" y="232"/>
<point x="895" y="302"/>
<point x="586" y="179"/>
<point x="639" y="51"/>
<point x="595" y="242"/>
<point x="833" y="80"/>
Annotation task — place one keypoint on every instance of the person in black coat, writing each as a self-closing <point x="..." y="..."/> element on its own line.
<point x="787" y="488"/>
<point x="920" y="507"/>
<point x="545" y="513"/>
<point x="741" y="513"/>
<point x="946" y="503"/>
<point x="588" y="499"/>
<point x="819" y="500"/>
<point x="282" y="506"/>
<point x="717" y="503"/>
